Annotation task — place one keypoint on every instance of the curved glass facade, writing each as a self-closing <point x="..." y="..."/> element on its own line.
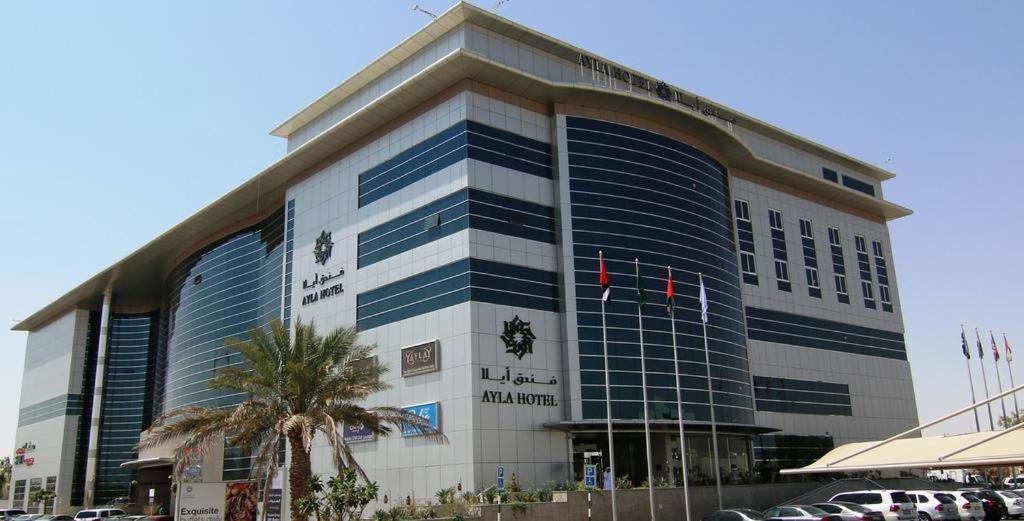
<point x="220" y="292"/>
<point x="638" y="194"/>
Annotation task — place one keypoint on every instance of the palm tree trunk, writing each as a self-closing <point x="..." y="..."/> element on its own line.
<point x="299" y="473"/>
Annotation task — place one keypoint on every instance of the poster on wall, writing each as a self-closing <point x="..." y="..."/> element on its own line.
<point x="273" y="501"/>
<point x="427" y="411"/>
<point x="201" y="502"/>
<point x="356" y="433"/>
<point x="240" y="501"/>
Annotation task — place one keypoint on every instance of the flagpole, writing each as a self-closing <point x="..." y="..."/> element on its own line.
<point x="984" y="379"/>
<point x="999" y="378"/>
<point x="643" y="381"/>
<point x="970" y="378"/>
<point x="1009" y="368"/>
<point x="679" y="398"/>
<point x="607" y="391"/>
<point x="711" y="394"/>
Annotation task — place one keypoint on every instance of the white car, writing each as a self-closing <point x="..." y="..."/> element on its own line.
<point x="971" y="508"/>
<point x="98" y="514"/>
<point x="1013" y="482"/>
<point x="934" y="506"/>
<point x="894" y="505"/>
<point x="1014" y="503"/>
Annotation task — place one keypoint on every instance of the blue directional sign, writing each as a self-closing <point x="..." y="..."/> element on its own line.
<point x="590" y="476"/>
<point x="501" y="477"/>
<point x="427" y="411"/>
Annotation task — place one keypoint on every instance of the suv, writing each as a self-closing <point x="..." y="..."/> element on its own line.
<point x="895" y="505"/>
<point x="10" y="513"/>
<point x="995" y="507"/>
<point x="934" y="506"/>
<point x="1013" y="482"/>
<point x="1014" y="503"/>
<point x="971" y="508"/>
<point x="98" y="514"/>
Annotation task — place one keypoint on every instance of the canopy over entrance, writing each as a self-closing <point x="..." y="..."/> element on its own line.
<point x="979" y="449"/>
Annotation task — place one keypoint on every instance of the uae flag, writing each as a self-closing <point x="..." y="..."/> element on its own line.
<point x="606" y="289"/>
<point x="1009" y="352"/>
<point x="963" y="344"/>
<point x="995" y="348"/>
<point x="670" y="293"/>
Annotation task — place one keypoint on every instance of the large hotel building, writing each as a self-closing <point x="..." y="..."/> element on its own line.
<point x="451" y="199"/>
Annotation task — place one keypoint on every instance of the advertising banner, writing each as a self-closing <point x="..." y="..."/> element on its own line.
<point x="273" y="500"/>
<point x="428" y="411"/>
<point x="201" y="502"/>
<point x="420" y="359"/>
<point x="240" y="501"/>
<point x="356" y="433"/>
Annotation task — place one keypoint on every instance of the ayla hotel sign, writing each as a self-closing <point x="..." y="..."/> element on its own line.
<point x="518" y="388"/>
<point x="323" y="286"/>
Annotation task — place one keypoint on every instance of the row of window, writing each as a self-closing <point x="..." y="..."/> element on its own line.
<point x="460" y="281"/>
<point x="466" y="208"/>
<point x="792" y="329"/>
<point x="774" y="394"/>
<point x="65" y="404"/>
<point x="289" y="255"/>
<point x="744" y="234"/>
<point x="849" y="182"/>
<point x="465" y="139"/>
<point x="20" y="496"/>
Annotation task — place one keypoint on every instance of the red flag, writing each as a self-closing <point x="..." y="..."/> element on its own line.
<point x="995" y="348"/>
<point x="1009" y="352"/>
<point x="606" y="289"/>
<point x="670" y="292"/>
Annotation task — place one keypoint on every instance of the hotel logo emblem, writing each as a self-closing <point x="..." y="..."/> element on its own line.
<point x="324" y="245"/>
<point x="518" y="337"/>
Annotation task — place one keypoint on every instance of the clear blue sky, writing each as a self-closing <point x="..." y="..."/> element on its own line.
<point x="122" y="118"/>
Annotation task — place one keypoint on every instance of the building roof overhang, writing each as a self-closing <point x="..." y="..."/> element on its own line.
<point x="139" y="276"/>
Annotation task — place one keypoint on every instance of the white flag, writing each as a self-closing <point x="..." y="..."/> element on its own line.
<point x="703" y="301"/>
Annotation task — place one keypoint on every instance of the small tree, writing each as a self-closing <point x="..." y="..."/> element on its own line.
<point x="5" y="476"/>
<point x="342" y="499"/>
<point x="1010" y="420"/>
<point x="43" y="496"/>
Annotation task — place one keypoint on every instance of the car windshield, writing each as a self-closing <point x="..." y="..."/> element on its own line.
<point x="900" y="497"/>
<point x="856" y="508"/>
<point x="751" y="514"/>
<point x="86" y="514"/>
<point x="814" y="511"/>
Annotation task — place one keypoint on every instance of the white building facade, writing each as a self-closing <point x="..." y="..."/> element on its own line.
<point x="451" y="199"/>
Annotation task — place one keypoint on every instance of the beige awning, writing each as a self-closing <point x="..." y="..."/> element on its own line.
<point x="979" y="449"/>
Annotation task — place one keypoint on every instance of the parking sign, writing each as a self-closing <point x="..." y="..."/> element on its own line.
<point x="590" y="476"/>
<point x="501" y="477"/>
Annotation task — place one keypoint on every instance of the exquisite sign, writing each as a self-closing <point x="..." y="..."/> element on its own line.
<point x="427" y="411"/>
<point x="201" y="502"/>
<point x="420" y="359"/>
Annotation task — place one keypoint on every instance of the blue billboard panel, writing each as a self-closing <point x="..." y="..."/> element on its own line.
<point x="427" y="411"/>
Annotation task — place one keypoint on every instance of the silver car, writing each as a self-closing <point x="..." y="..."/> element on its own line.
<point x="970" y="507"/>
<point x="934" y="506"/>
<point x="795" y="513"/>
<point x="851" y="511"/>
<point x="895" y="505"/>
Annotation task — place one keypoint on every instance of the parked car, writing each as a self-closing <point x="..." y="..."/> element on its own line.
<point x="734" y="514"/>
<point x="1014" y="503"/>
<point x="934" y="506"/>
<point x="851" y="511"/>
<point x="28" y="517"/>
<point x="98" y="514"/>
<point x="1013" y="482"/>
<point x="55" y="517"/>
<point x="970" y="507"/>
<point x="171" y="518"/>
<point x="895" y="505"/>
<point x="798" y="513"/>
<point x="995" y="507"/>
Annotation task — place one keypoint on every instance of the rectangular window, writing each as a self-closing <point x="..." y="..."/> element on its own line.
<point x="858" y="241"/>
<point x="782" y="270"/>
<point x="841" y="284"/>
<point x="858" y="185"/>
<point x="805" y="228"/>
<point x="830" y="175"/>
<point x="742" y="210"/>
<point x="747" y="263"/>
<point x="876" y="248"/>
<point x="833" y="236"/>
<point x="775" y="219"/>
<point x="883" y="294"/>
<point x="51" y="485"/>
<point x="812" y="277"/>
<point x="19" y="494"/>
<point x="869" y="294"/>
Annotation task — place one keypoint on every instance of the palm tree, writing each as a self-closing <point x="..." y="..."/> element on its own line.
<point x="294" y="391"/>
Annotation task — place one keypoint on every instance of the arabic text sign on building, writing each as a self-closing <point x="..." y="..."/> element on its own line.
<point x="357" y="433"/>
<point x="420" y="359"/>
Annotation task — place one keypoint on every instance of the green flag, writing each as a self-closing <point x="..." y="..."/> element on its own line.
<point x="641" y="296"/>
